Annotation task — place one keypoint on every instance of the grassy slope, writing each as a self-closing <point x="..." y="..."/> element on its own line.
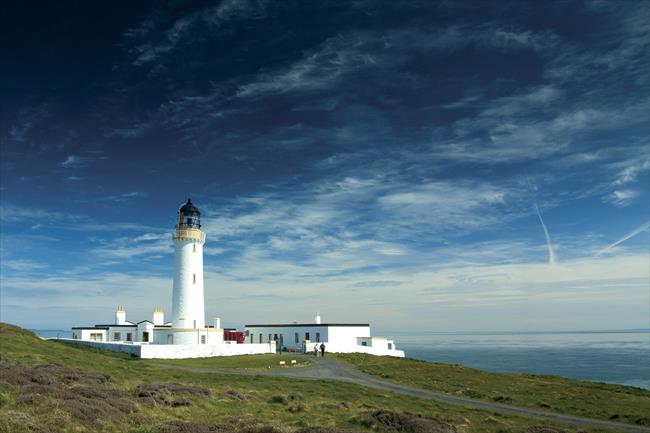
<point x="554" y="393"/>
<point x="319" y="403"/>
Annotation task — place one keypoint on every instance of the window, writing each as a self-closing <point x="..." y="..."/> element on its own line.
<point x="269" y="337"/>
<point x="202" y="339"/>
<point x="306" y="335"/>
<point x="117" y="336"/>
<point x="145" y="336"/>
<point x="252" y="338"/>
<point x="297" y="338"/>
<point x="129" y="336"/>
<point x="193" y="278"/>
<point x="390" y="346"/>
<point x="260" y="338"/>
<point x="364" y="343"/>
<point x="170" y="339"/>
<point x="95" y="336"/>
<point x="318" y="337"/>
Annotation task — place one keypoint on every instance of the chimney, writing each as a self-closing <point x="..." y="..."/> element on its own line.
<point x="217" y="323"/>
<point x="317" y="318"/>
<point x="120" y="316"/>
<point x="158" y="317"/>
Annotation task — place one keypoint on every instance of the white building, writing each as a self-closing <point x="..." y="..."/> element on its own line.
<point x="188" y="336"/>
<point x="337" y="337"/>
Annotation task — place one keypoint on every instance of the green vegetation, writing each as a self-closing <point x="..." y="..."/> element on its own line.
<point x="553" y="393"/>
<point x="243" y="362"/>
<point x="47" y="386"/>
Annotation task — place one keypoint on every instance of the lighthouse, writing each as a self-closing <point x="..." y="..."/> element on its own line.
<point x="188" y="336"/>
<point x="187" y="296"/>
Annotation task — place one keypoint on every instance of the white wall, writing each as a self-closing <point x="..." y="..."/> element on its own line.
<point x="123" y="331"/>
<point x="177" y="351"/>
<point x="165" y="351"/>
<point x="84" y="334"/>
<point x="344" y="338"/>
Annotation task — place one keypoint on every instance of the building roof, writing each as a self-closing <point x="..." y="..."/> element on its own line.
<point x="90" y="327"/>
<point x="114" y="326"/>
<point x="142" y="321"/>
<point x="313" y="325"/>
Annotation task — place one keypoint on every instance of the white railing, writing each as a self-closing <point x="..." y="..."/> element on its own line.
<point x="189" y="234"/>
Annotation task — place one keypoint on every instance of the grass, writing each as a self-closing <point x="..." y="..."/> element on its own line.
<point x="47" y="386"/>
<point x="557" y="394"/>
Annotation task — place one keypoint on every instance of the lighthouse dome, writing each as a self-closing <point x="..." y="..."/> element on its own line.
<point x="189" y="216"/>
<point x="189" y="208"/>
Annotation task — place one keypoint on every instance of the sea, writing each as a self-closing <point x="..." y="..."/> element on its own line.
<point x="621" y="357"/>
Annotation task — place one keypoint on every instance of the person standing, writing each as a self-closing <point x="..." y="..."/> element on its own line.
<point x="322" y="350"/>
<point x="316" y="350"/>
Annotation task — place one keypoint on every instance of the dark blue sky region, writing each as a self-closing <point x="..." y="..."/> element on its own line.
<point x="442" y="166"/>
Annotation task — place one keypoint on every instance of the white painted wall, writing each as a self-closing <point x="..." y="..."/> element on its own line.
<point x="164" y="351"/>
<point x="84" y="334"/>
<point x="187" y="297"/>
<point x="344" y="338"/>
<point x="122" y="330"/>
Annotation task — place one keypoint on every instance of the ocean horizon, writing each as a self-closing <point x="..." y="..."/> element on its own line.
<point x="610" y="356"/>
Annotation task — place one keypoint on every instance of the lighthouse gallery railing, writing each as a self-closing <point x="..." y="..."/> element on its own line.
<point x="189" y="234"/>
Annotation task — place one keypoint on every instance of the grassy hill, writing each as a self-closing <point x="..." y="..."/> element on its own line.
<point x="47" y="386"/>
<point x="554" y="393"/>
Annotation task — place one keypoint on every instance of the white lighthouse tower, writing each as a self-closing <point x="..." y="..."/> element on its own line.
<point x="187" y="298"/>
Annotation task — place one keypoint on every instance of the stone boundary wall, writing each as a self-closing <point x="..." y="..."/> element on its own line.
<point x="176" y="351"/>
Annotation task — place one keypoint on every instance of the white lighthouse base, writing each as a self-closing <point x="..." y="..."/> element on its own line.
<point x="177" y="351"/>
<point x="187" y="336"/>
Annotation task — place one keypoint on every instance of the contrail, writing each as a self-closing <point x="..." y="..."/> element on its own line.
<point x="551" y="253"/>
<point x="641" y="228"/>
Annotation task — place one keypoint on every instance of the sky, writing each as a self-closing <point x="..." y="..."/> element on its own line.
<point x="423" y="166"/>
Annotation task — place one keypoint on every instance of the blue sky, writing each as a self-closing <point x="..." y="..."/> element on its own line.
<point x="429" y="166"/>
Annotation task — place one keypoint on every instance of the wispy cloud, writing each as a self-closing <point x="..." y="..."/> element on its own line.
<point x="124" y="196"/>
<point x="148" y="244"/>
<point x="549" y="244"/>
<point x="75" y="161"/>
<point x="336" y="57"/>
<point x="80" y="161"/>
<point x="642" y="228"/>
<point x="623" y="197"/>
<point x="12" y="213"/>
<point x="155" y="39"/>
<point x="23" y="265"/>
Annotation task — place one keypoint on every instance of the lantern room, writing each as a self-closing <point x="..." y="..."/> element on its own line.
<point x="189" y="216"/>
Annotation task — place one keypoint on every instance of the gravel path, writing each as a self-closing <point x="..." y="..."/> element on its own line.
<point x="331" y="369"/>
